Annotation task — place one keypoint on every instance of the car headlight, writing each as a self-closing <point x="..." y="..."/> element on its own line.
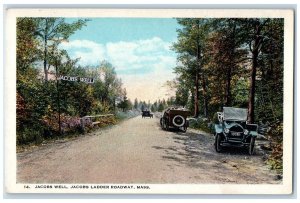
<point x="226" y="130"/>
<point x="246" y="132"/>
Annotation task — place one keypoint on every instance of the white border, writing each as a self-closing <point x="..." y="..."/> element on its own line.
<point x="10" y="98"/>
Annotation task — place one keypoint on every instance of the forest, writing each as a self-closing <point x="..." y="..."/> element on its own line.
<point x="42" y="96"/>
<point x="232" y="62"/>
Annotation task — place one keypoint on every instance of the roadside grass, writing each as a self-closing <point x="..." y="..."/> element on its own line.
<point x="40" y="139"/>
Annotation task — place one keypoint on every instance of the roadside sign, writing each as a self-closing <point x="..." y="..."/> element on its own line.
<point x="76" y="79"/>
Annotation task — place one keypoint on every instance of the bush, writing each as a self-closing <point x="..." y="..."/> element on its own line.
<point x="69" y="124"/>
<point x="30" y="134"/>
<point x="201" y="123"/>
<point x="275" y="159"/>
<point x="215" y="118"/>
<point x="120" y="115"/>
<point x="106" y="121"/>
<point x="276" y="137"/>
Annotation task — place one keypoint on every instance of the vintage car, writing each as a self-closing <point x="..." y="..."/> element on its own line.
<point x="175" y="118"/>
<point x="146" y="113"/>
<point x="233" y="130"/>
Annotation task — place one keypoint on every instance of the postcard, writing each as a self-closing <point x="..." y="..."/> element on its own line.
<point x="149" y="101"/>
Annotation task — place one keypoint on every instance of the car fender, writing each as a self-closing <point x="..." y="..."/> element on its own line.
<point x="253" y="133"/>
<point x="218" y="128"/>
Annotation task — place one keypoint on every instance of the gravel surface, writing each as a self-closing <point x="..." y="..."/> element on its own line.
<point x="138" y="151"/>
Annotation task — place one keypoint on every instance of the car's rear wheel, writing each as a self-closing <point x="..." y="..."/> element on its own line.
<point x="178" y="121"/>
<point x="218" y="146"/>
<point x="161" y="123"/>
<point x="252" y="146"/>
<point x="166" y="125"/>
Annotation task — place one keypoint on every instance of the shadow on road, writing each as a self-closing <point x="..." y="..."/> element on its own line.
<point x="197" y="150"/>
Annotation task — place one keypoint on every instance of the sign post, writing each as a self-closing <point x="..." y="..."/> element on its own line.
<point x="66" y="78"/>
<point x="58" y="95"/>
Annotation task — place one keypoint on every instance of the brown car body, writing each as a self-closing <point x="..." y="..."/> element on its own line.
<point x="175" y="118"/>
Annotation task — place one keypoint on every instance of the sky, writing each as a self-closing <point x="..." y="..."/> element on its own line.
<point x="138" y="48"/>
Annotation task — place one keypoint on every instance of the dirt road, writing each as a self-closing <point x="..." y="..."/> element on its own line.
<point x="138" y="151"/>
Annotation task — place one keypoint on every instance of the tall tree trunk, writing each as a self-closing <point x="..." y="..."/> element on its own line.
<point x="45" y="60"/>
<point x="196" y="97"/>
<point x="205" y="109"/>
<point x="255" y="51"/>
<point x="252" y="81"/>
<point x="45" y="50"/>
<point x="198" y="68"/>
<point x="232" y="47"/>
<point x="227" y="91"/>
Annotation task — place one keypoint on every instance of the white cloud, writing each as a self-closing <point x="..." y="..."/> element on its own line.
<point x="143" y="65"/>
<point x="88" y="51"/>
<point x="140" y="53"/>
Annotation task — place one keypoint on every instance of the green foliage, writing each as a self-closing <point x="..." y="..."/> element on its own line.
<point x="216" y="66"/>
<point x="190" y="48"/>
<point x="215" y="62"/>
<point x="201" y="123"/>
<point x="240" y="92"/>
<point x="27" y="46"/>
<point x="31" y="133"/>
<point x="125" y="104"/>
<point x="39" y="101"/>
<point x="160" y="107"/>
<point x="240" y="65"/>
<point x="276" y="136"/>
<point x="50" y="32"/>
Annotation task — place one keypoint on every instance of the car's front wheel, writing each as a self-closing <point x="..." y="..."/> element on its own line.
<point x="218" y="146"/>
<point x="252" y="146"/>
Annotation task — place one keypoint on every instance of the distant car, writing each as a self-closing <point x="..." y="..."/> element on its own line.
<point x="147" y="113"/>
<point x="233" y="130"/>
<point x="175" y="118"/>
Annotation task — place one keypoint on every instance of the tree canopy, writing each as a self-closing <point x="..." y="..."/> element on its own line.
<point x="230" y="62"/>
<point x="41" y="96"/>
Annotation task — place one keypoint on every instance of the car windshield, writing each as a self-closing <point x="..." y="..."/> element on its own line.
<point x="231" y="123"/>
<point x="234" y="114"/>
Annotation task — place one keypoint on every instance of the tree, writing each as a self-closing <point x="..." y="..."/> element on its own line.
<point x="155" y="106"/>
<point x="54" y="30"/>
<point x="30" y="104"/>
<point x="190" y="48"/>
<point x="27" y="44"/>
<point x="224" y="61"/>
<point x="136" y="103"/>
<point x="255" y="29"/>
<point x="269" y="104"/>
<point x="112" y="92"/>
<point x="125" y="104"/>
<point x="215" y="58"/>
<point x="160" y="107"/>
<point x="152" y="108"/>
